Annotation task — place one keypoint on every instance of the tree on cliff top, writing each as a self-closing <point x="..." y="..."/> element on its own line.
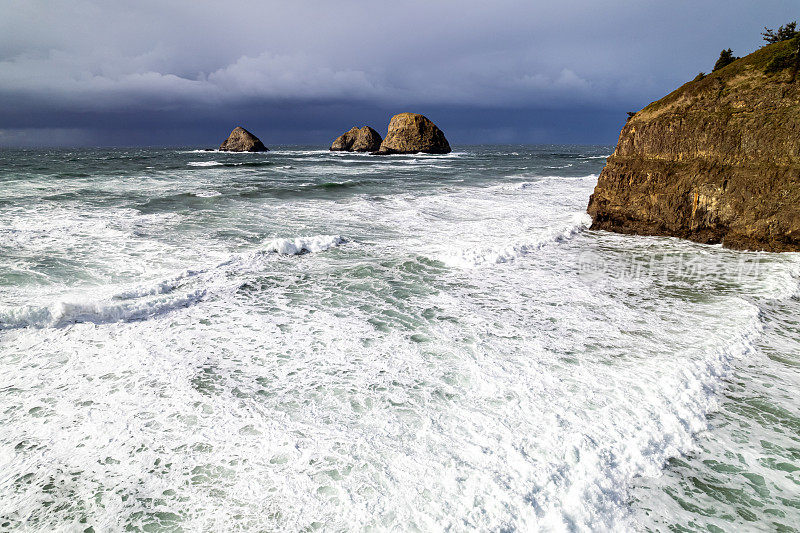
<point x="726" y="57"/>
<point x="784" y="33"/>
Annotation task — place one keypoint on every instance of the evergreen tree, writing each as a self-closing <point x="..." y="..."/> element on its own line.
<point x="726" y="57"/>
<point x="784" y="33"/>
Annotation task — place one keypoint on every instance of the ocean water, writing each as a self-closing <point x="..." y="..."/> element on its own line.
<point x="303" y="340"/>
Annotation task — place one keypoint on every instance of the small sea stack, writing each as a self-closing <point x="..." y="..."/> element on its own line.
<point x="411" y="133"/>
<point x="363" y="139"/>
<point x="241" y="140"/>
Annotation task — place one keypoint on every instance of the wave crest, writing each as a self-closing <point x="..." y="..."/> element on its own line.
<point x="504" y="253"/>
<point x="145" y="301"/>
<point x="300" y="245"/>
<point x="76" y="310"/>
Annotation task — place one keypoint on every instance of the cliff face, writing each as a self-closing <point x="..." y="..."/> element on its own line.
<point x="716" y="161"/>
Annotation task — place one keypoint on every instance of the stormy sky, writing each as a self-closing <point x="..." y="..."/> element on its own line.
<point x="183" y="73"/>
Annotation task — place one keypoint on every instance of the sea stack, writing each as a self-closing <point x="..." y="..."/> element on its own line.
<point x="716" y="161"/>
<point x="241" y="140"/>
<point x="357" y="140"/>
<point x="411" y="133"/>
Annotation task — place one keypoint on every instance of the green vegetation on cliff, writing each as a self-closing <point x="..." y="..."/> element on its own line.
<point x="784" y="33"/>
<point x="726" y="57"/>
<point x="775" y="59"/>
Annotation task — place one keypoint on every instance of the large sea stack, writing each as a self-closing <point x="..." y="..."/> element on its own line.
<point x="357" y="140"/>
<point x="716" y="161"/>
<point x="410" y="133"/>
<point x="241" y="140"/>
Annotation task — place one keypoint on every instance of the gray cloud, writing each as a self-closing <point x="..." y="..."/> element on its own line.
<point x="191" y="59"/>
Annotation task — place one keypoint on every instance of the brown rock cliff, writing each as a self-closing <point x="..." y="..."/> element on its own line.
<point x="716" y="161"/>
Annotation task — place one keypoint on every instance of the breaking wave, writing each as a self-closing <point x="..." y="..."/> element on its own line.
<point x="147" y="301"/>
<point x="206" y="164"/>
<point x="301" y="245"/>
<point x="79" y="310"/>
<point x="506" y="252"/>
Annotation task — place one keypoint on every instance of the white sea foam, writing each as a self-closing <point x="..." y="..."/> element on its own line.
<point x="299" y="245"/>
<point x="504" y="252"/>
<point x="545" y="177"/>
<point x="155" y="288"/>
<point x="81" y="310"/>
<point x="301" y="152"/>
<point x="148" y="300"/>
<point x="205" y="164"/>
<point x="601" y="473"/>
<point x="370" y="388"/>
<point x="207" y="194"/>
<point x="542" y="181"/>
<point x="215" y="151"/>
<point x="780" y="274"/>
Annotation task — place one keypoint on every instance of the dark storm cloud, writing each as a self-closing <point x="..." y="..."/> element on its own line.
<point x="129" y="72"/>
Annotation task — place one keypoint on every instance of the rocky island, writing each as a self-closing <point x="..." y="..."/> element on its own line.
<point x="411" y="133"/>
<point x="363" y="139"/>
<point x="716" y="161"/>
<point x="241" y="140"/>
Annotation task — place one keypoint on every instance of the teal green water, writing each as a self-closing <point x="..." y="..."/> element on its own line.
<point x="305" y="340"/>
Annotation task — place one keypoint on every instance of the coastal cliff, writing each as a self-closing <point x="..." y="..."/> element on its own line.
<point x="716" y="161"/>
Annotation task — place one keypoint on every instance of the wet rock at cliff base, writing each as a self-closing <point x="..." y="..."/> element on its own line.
<point x="716" y="161"/>
<point x="241" y="140"/>
<point x="363" y="139"/>
<point x="411" y="133"/>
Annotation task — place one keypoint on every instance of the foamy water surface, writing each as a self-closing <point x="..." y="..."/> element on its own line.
<point x="303" y="340"/>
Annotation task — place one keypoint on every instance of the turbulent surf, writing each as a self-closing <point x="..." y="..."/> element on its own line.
<point x="301" y="340"/>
